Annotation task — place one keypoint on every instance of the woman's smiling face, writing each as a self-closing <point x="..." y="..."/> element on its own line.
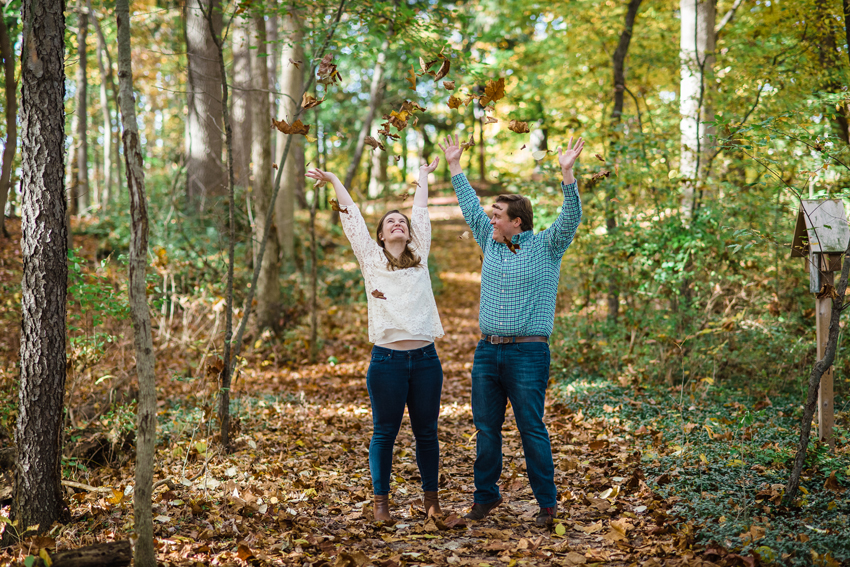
<point x="395" y="228"/>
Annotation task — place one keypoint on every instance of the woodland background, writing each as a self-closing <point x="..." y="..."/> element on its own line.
<point x="682" y="322"/>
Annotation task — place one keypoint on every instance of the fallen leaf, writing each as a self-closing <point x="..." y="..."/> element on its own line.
<point x="518" y="127"/>
<point x="378" y="294"/>
<point x="244" y="552"/>
<point x="832" y="483"/>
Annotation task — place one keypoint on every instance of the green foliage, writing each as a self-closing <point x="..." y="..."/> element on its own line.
<point x="725" y="464"/>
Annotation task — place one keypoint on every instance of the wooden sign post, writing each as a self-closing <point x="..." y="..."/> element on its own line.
<point x="820" y="237"/>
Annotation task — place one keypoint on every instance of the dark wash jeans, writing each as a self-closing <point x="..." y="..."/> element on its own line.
<point x="520" y="373"/>
<point x="397" y="378"/>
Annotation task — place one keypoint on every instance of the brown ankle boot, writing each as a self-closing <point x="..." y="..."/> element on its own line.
<point x="381" y="508"/>
<point x="432" y="504"/>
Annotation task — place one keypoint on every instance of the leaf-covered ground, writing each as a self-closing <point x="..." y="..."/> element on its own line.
<point x="295" y="488"/>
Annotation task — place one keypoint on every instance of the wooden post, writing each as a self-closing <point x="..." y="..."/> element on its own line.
<point x="830" y="263"/>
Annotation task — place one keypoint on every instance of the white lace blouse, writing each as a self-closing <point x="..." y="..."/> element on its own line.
<point x="409" y="311"/>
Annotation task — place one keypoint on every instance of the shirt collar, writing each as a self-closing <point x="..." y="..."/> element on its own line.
<point x="521" y="237"/>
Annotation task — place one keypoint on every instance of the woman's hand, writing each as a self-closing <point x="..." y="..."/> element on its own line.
<point x="320" y="175"/>
<point x="429" y="167"/>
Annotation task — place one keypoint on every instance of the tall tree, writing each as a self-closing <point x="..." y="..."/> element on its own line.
<point x="204" y="167"/>
<point x="139" y="311"/>
<point x="618" y="63"/>
<point x="81" y="187"/>
<point x="11" y="90"/>
<point x="291" y="86"/>
<point x="38" y="493"/>
<point x="696" y="56"/>
<point x="242" y="97"/>
<point x="106" y="79"/>
<point x="268" y="286"/>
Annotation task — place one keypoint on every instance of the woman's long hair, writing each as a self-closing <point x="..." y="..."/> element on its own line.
<point x="407" y="259"/>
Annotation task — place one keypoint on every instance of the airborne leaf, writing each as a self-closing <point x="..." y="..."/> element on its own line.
<point x="411" y="79"/>
<point x="291" y="129"/>
<point x="296" y="63"/>
<point x="378" y="294"/>
<point x="444" y="70"/>
<point x="335" y="206"/>
<point x="374" y="144"/>
<point x="449" y="85"/>
<point x="326" y="73"/>
<point x="539" y="154"/>
<point x="454" y="102"/>
<point x="489" y="120"/>
<point x="308" y="101"/>
<point x="493" y="91"/>
<point x="518" y="127"/>
<point x="511" y="246"/>
<point x="469" y="144"/>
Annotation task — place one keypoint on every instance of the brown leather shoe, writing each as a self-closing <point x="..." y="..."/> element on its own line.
<point x="432" y="504"/>
<point x="480" y="511"/>
<point x="381" y="508"/>
<point x="546" y="516"/>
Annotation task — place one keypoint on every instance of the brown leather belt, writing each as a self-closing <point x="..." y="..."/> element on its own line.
<point x="495" y="340"/>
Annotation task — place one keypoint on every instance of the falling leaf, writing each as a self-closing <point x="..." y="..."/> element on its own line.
<point x="296" y="63"/>
<point x="511" y="246"/>
<point x="378" y="294"/>
<point x="600" y="175"/>
<point x="454" y="102"/>
<point x="489" y="120"/>
<point x="335" y="206"/>
<point x="374" y="144"/>
<point x="539" y="154"/>
<point x="493" y="91"/>
<point x="308" y="101"/>
<point x="397" y="158"/>
<point x="465" y="236"/>
<point x="523" y="146"/>
<point x="426" y="65"/>
<point x="599" y="157"/>
<point x="443" y="71"/>
<point x="411" y="107"/>
<point x="320" y="183"/>
<point x="518" y="127"/>
<point x="294" y="129"/>
<point x="449" y="85"/>
<point x="274" y="165"/>
<point x="411" y="79"/>
<point x="469" y="144"/>
<point x="327" y="73"/>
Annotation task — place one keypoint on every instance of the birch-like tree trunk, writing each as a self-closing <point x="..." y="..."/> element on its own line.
<point x="696" y="57"/>
<point x="376" y="92"/>
<point x="272" y="64"/>
<point x="242" y="99"/>
<point x="11" y="90"/>
<point x="139" y="311"/>
<point x="82" y="186"/>
<point x="38" y="494"/>
<point x="378" y="171"/>
<point x="204" y="167"/>
<point x="105" y="79"/>
<point x="268" y="286"/>
<point x="292" y="63"/>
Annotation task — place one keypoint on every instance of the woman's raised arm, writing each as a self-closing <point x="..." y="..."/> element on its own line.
<point x="341" y="192"/>
<point x="420" y="198"/>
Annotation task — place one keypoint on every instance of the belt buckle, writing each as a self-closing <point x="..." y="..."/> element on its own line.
<point x="494" y="340"/>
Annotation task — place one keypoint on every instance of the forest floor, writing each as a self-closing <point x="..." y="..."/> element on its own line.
<point x="295" y="489"/>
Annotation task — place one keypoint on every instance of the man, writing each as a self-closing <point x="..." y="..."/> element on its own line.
<point x="519" y="283"/>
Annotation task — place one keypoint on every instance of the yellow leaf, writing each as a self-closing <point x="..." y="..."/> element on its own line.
<point x="539" y="154"/>
<point x="117" y="497"/>
<point x="45" y="557"/>
<point x="803" y="490"/>
<point x="560" y="529"/>
<point x="703" y="458"/>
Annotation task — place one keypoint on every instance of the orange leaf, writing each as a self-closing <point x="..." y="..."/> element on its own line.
<point x="518" y="127"/>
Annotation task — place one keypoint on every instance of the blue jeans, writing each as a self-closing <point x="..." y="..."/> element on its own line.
<point x="397" y="378"/>
<point x="519" y="373"/>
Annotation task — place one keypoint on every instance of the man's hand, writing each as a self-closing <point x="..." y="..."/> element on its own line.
<point x="452" y="151"/>
<point x="567" y="158"/>
<point x="429" y="167"/>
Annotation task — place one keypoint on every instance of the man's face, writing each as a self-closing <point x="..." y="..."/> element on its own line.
<point x="503" y="227"/>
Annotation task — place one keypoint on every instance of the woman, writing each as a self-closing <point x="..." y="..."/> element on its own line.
<point x="403" y="323"/>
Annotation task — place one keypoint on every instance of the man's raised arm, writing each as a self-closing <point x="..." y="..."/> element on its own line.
<point x="473" y="213"/>
<point x="560" y="235"/>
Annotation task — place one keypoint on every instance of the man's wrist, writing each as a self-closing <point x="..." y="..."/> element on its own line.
<point x="454" y="168"/>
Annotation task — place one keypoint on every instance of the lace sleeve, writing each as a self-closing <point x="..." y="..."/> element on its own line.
<point x="420" y="221"/>
<point x="355" y="229"/>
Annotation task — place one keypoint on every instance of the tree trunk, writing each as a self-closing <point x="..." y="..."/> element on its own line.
<point x="139" y="311"/>
<point x="272" y="65"/>
<point x="826" y="30"/>
<point x="696" y="56"/>
<point x="376" y="91"/>
<point x="11" y="89"/>
<point x="82" y="106"/>
<point x="378" y="175"/>
<point x="204" y="167"/>
<point x="268" y="286"/>
<point x="38" y="493"/>
<point x="242" y="97"/>
<point x="291" y="85"/>
<point x="618" y="61"/>
<point x="105" y="79"/>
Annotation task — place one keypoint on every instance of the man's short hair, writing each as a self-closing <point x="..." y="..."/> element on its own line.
<point x="518" y="206"/>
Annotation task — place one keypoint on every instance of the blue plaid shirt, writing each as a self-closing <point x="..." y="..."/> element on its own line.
<point x="518" y="290"/>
